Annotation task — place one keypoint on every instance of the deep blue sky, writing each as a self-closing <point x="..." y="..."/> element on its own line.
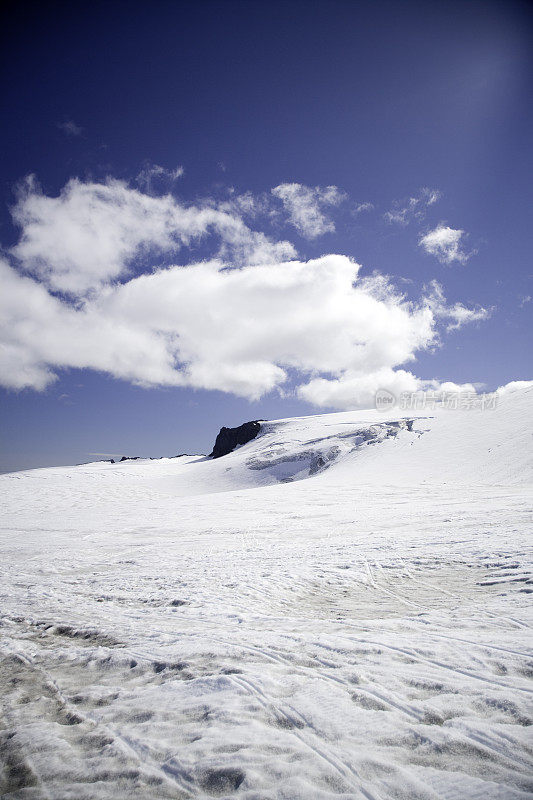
<point x="377" y="98"/>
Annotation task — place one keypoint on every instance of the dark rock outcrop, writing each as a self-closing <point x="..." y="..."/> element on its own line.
<point x="228" y="438"/>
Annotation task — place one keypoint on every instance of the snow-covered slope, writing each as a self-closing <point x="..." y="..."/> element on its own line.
<point x="361" y="447"/>
<point x="338" y="609"/>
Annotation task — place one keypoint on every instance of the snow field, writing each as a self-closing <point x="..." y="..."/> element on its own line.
<point x="338" y="609"/>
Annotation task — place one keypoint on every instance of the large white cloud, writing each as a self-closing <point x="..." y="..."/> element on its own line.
<point x="238" y="330"/>
<point x="92" y="232"/>
<point x="84" y="291"/>
<point x="39" y="333"/>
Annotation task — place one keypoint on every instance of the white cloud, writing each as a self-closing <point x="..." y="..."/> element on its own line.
<point x="444" y="243"/>
<point x="92" y="232"/>
<point x="451" y="386"/>
<point x="246" y="204"/>
<point x="151" y="172"/>
<point x="356" y="389"/>
<point x="360" y="207"/>
<point x="415" y="207"/>
<point x="456" y="314"/>
<point x="239" y="320"/>
<point x="236" y="330"/>
<point x="305" y="207"/>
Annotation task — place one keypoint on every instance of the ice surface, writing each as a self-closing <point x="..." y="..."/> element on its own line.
<point x="338" y="609"/>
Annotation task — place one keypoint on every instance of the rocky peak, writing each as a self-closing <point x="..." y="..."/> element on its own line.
<point x="228" y="438"/>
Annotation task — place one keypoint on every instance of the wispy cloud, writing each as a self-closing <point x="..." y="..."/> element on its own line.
<point x="361" y="207"/>
<point x="154" y="172"/>
<point x="306" y="207"/>
<point x="445" y="244"/>
<point x="403" y="212"/>
<point x="455" y="315"/>
<point x="70" y="128"/>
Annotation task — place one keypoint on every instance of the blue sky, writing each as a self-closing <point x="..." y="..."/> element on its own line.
<point x="200" y="145"/>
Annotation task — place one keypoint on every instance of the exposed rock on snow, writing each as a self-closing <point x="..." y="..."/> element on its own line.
<point x="229" y="438"/>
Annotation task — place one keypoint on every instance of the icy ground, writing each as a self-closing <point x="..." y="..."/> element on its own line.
<point x="338" y="609"/>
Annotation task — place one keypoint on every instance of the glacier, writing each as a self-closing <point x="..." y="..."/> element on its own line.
<point x="339" y="608"/>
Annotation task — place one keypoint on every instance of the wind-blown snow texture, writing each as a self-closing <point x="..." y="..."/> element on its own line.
<point x="337" y="609"/>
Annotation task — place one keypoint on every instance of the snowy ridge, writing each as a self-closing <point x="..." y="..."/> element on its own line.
<point x="413" y="447"/>
<point x="338" y="609"/>
<point x="368" y="447"/>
